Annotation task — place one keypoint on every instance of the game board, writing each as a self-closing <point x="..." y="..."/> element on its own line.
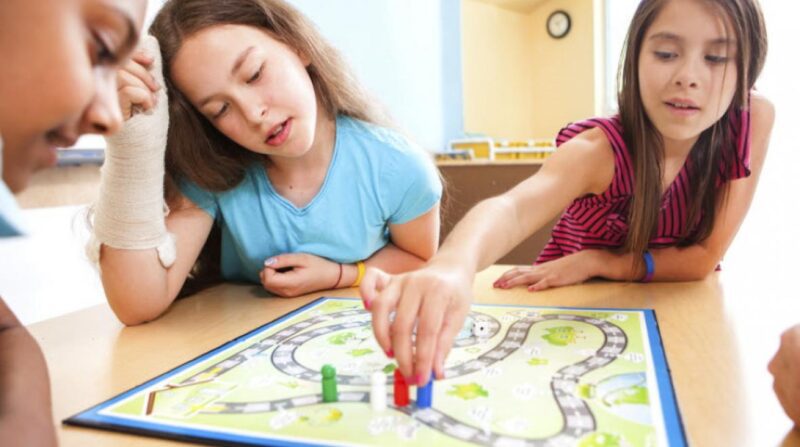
<point x="540" y="376"/>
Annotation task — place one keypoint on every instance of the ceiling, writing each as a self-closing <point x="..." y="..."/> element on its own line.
<point x="523" y="6"/>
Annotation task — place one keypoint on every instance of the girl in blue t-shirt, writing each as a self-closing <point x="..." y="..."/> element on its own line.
<point x="272" y="142"/>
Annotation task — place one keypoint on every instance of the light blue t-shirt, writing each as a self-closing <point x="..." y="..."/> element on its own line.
<point x="376" y="177"/>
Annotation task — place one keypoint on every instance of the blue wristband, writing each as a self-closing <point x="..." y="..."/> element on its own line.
<point x="650" y="265"/>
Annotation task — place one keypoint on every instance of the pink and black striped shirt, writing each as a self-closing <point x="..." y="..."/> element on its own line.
<point x="601" y="221"/>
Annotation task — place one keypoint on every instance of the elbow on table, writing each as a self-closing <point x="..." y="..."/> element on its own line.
<point x="426" y="254"/>
<point x="702" y="268"/>
<point x="132" y="313"/>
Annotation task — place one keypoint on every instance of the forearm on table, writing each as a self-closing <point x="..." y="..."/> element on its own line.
<point x="138" y="286"/>
<point x="135" y="284"/>
<point x="25" y="407"/>
<point x="390" y="259"/>
<point x="690" y="263"/>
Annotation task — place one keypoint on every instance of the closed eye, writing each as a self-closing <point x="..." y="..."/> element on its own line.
<point x="256" y="75"/>
<point x="716" y="59"/>
<point x="221" y="111"/>
<point x="665" y="55"/>
<point x="103" y="53"/>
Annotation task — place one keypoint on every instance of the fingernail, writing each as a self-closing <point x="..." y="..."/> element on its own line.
<point x="390" y="353"/>
<point x="411" y="380"/>
<point x="367" y="303"/>
<point x="269" y="261"/>
<point x="421" y="380"/>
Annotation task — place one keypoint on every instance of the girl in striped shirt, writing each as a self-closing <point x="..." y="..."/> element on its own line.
<point x="656" y="193"/>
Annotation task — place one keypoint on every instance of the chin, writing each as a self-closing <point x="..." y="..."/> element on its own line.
<point x="17" y="181"/>
<point x="20" y="164"/>
<point x="677" y="132"/>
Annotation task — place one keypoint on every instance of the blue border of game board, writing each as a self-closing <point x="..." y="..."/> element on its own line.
<point x="93" y="419"/>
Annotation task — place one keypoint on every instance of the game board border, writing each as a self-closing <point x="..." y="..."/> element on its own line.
<point x="91" y="417"/>
<point x="673" y="422"/>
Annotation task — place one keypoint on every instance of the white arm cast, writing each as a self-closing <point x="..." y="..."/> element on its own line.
<point x="130" y="211"/>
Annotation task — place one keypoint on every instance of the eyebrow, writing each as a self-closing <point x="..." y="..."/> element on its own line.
<point x="132" y="34"/>
<point x="666" y="35"/>
<point x="236" y="65"/>
<point x="240" y="60"/>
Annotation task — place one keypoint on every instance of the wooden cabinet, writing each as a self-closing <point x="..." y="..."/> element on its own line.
<point x="468" y="182"/>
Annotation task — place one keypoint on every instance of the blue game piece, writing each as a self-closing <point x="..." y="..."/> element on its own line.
<point x="425" y="394"/>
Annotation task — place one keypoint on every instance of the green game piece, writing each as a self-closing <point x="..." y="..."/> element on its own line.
<point x="329" y="391"/>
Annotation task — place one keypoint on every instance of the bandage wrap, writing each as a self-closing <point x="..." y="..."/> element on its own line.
<point x="130" y="211"/>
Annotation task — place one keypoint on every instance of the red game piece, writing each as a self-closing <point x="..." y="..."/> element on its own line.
<point x="400" y="389"/>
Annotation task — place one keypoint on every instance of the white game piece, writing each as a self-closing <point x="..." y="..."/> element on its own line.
<point x="377" y="395"/>
<point x="480" y="328"/>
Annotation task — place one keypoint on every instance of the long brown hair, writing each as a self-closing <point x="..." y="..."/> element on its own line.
<point x="196" y="150"/>
<point x="714" y="146"/>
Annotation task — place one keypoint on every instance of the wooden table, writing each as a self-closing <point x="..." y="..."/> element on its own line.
<point x="717" y="341"/>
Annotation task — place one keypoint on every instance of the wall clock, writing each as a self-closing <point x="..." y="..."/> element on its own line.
<point x="558" y="24"/>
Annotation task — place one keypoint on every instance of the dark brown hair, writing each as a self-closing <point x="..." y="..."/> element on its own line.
<point x="196" y="150"/>
<point x="714" y="146"/>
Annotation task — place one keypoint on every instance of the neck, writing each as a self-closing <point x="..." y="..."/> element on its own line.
<point x="320" y="153"/>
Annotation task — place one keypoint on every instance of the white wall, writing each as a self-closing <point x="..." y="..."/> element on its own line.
<point x="617" y="18"/>
<point x="407" y="53"/>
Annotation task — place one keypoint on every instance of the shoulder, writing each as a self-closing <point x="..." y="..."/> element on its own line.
<point x="588" y="156"/>
<point x="762" y="118"/>
<point x="591" y="143"/>
<point x="600" y="139"/>
<point x="380" y="146"/>
<point x="354" y="130"/>
<point x="762" y="112"/>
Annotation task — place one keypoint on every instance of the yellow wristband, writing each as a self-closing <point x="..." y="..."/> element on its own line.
<point x="361" y="269"/>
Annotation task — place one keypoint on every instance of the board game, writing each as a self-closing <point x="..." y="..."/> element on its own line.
<point x="535" y="376"/>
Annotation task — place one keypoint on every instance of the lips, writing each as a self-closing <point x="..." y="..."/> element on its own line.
<point x="679" y="103"/>
<point x="279" y="133"/>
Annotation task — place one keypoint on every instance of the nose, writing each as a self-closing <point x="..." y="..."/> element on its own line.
<point x="102" y="115"/>
<point x="257" y="113"/>
<point x="687" y="74"/>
